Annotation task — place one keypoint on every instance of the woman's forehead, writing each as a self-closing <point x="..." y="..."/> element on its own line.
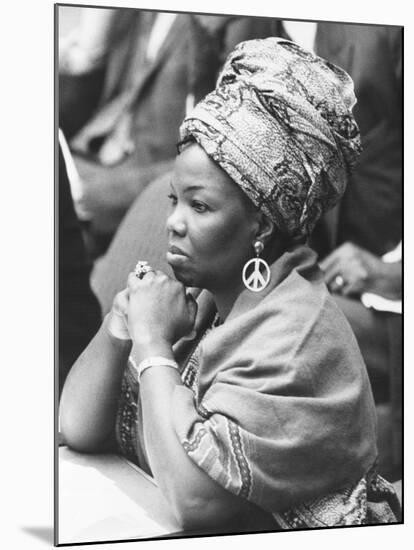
<point x="195" y="169"/>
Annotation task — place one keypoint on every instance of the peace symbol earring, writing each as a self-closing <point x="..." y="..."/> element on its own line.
<point x="256" y="272"/>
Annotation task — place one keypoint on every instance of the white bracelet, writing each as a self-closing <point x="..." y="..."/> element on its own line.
<point x="152" y="362"/>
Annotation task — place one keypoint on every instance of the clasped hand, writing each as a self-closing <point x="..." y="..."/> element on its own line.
<point x="156" y="308"/>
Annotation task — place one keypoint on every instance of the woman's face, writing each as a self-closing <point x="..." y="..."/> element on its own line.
<point x="212" y="224"/>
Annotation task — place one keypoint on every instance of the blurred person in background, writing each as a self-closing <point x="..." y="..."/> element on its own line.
<point x="127" y="138"/>
<point x="151" y="67"/>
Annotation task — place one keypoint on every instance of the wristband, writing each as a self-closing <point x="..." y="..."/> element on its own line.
<point x="117" y="325"/>
<point x="152" y="362"/>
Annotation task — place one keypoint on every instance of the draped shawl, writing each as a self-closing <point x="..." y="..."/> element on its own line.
<point x="283" y="412"/>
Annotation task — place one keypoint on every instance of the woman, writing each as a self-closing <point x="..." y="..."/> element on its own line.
<point x="253" y="402"/>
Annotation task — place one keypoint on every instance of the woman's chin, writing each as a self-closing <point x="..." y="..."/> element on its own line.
<point x="183" y="276"/>
<point x="180" y="266"/>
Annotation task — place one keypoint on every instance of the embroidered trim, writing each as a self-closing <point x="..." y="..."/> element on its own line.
<point x="190" y="446"/>
<point x="241" y="460"/>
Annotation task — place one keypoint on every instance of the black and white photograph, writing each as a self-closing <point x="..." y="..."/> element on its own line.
<point x="206" y="316"/>
<point x="229" y="286"/>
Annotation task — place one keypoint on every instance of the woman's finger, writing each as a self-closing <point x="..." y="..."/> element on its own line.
<point x="159" y="273"/>
<point x="132" y="281"/>
<point x="135" y="282"/>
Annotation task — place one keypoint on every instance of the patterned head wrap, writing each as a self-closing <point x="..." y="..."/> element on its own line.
<point x="280" y="124"/>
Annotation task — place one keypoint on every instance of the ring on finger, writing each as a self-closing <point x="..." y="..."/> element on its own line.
<point x="142" y="268"/>
<point x="339" y="281"/>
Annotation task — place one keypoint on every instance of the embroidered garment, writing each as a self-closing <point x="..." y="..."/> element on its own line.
<point x="372" y="500"/>
<point x="276" y="406"/>
<point x="280" y="124"/>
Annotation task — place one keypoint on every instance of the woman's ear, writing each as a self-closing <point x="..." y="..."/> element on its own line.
<point x="266" y="228"/>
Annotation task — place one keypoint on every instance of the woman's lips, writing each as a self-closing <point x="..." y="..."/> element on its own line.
<point x="176" y="256"/>
<point x="175" y="250"/>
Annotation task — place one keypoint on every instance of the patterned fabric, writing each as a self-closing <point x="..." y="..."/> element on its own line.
<point x="128" y="427"/>
<point x="280" y="124"/>
<point x="371" y="500"/>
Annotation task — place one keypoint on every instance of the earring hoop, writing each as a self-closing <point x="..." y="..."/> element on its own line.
<point x="256" y="272"/>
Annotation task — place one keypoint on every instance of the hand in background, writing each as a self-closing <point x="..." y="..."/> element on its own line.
<point x="350" y="270"/>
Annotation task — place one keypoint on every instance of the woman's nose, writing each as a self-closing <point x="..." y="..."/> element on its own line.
<point x="176" y="223"/>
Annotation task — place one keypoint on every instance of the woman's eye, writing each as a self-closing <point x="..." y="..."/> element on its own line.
<point x="173" y="199"/>
<point x="199" y="206"/>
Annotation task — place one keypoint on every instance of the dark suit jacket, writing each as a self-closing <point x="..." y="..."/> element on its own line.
<point x="370" y="213"/>
<point x="153" y="91"/>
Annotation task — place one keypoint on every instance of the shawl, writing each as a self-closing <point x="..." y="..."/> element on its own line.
<point x="283" y="411"/>
<point x="280" y="125"/>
